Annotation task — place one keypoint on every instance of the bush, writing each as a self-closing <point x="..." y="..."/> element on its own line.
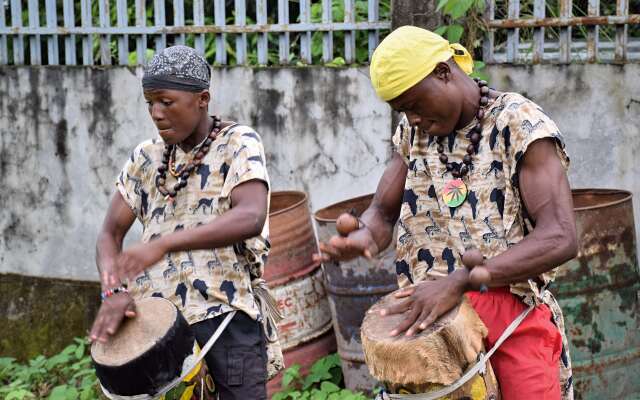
<point x="69" y="375"/>
<point x="64" y="376"/>
<point x="322" y="383"/>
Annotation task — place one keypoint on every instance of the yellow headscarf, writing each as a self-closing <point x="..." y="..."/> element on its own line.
<point x="409" y="54"/>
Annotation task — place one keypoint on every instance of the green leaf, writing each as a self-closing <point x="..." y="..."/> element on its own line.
<point x="69" y="349"/>
<point x="458" y="8"/>
<point x="337" y="62"/>
<point x="454" y="33"/>
<point x="20" y="394"/>
<point x="6" y="361"/>
<point x="72" y="393"/>
<point x="441" y="3"/>
<point x="329" y="387"/>
<point x="290" y="374"/>
<point x="478" y="65"/>
<point x="59" y="393"/>
<point x="88" y="394"/>
<point x="280" y="396"/>
<point x="56" y="360"/>
<point x="318" y="395"/>
<point x="441" y="30"/>
<point x="80" y="351"/>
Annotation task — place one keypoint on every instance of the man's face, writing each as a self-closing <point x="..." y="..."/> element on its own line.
<point x="175" y="113"/>
<point x="433" y="105"/>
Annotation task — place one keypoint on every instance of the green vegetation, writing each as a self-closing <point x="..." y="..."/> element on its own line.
<point x="322" y="383"/>
<point x="361" y="15"/>
<point x="67" y="375"/>
<point x="463" y="24"/>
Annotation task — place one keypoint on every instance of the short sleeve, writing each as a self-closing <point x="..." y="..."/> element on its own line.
<point x="524" y="123"/>
<point x="247" y="161"/>
<point x="129" y="181"/>
<point x="401" y="139"/>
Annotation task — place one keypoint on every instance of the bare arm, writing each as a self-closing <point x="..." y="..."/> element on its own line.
<point x="116" y="224"/>
<point x="244" y="220"/>
<point x="546" y="195"/>
<point x="383" y="213"/>
<point x="379" y="219"/>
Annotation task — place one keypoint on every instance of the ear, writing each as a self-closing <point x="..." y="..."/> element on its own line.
<point x="203" y="99"/>
<point x="442" y="71"/>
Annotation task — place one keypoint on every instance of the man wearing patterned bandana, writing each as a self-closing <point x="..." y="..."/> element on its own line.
<point x="473" y="168"/>
<point x="201" y="193"/>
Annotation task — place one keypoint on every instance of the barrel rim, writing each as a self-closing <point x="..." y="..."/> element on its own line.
<point x="599" y="191"/>
<point x="318" y="218"/>
<point x="298" y="274"/>
<point x="291" y="207"/>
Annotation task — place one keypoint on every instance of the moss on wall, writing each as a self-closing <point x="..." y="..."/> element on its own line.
<point x="43" y="315"/>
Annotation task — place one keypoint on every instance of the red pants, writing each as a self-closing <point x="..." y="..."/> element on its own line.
<point x="526" y="364"/>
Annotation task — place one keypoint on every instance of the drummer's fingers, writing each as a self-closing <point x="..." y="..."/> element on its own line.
<point x="371" y="251"/>
<point x="130" y="312"/>
<point x="398" y="308"/>
<point x="429" y="320"/>
<point x="417" y="325"/>
<point x="405" y="323"/>
<point x="329" y="252"/>
<point x="338" y="242"/>
<point x="358" y="247"/>
<point x="113" y="324"/>
<point x="97" y="332"/>
<point x="93" y="335"/>
<point x="404" y="292"/>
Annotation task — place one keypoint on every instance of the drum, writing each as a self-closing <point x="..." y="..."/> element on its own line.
<point x="431" y="360"/>
<point x="149" y="352"/>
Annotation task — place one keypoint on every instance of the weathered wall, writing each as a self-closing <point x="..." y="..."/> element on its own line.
<point x="65" y="132"/>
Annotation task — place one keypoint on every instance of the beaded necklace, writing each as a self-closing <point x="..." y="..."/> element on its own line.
<point x="455" y="191"/>
<point x="182" y="174"/>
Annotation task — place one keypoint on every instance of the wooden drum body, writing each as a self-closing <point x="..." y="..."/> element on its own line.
<point x="431" y="360"/>
<point x="147" y="353"/>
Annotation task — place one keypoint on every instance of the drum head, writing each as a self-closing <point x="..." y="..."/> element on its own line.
<point x="439" y="354"/>
<point x="378" y="327"/>
<point x="154" y="317"/>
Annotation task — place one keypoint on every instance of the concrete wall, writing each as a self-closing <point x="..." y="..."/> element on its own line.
<point x="65" y="132"/>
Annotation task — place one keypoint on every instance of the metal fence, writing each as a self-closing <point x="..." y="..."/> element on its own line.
<point x="258" y="32"/>
<point x="561" y="31"/>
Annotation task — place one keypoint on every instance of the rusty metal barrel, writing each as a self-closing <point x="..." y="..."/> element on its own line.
<point x="353" y="288"/>
<point x="297" y="283"/>
<point x="598" y="292"/>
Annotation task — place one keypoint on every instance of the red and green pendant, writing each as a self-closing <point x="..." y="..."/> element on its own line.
<point x="454" y="193"/>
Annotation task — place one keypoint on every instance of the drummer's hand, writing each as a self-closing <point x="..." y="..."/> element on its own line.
<point x="139" y="257"/>
<point x="110" y="316"/>
<point x="425" y="302"/>
<point x="340" y="248"/>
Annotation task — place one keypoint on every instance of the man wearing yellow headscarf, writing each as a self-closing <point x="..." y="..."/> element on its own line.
<point x="477" y="169"/>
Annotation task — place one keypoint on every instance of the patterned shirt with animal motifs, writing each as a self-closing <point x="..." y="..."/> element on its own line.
<point x="201" y="283"/>
<point x="432" y="236"/>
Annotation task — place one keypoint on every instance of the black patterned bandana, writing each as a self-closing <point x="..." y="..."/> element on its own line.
<point x="178" y="68"/>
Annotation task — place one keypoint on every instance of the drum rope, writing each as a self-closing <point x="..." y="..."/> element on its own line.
<point x="176" y="381"/>
<point x="480" y="366"/>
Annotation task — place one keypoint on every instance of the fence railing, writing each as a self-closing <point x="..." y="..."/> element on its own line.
<point x="258" y="32"/>
<point x="561" y="31"/>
